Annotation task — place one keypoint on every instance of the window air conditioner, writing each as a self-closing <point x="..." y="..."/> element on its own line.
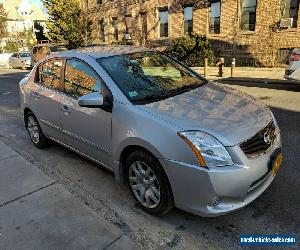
<point x="286" y="22"/>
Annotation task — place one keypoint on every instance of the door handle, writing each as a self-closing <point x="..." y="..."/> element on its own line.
<point x="35" y="95"/>
<point x="65" y="109"/>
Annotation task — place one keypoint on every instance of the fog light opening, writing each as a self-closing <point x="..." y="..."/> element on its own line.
<point x="216" y="201"/>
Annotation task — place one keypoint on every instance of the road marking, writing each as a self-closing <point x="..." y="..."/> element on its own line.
<point x="6" y="93"/>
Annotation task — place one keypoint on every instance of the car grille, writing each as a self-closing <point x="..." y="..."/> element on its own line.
<point x="261" y="142"/>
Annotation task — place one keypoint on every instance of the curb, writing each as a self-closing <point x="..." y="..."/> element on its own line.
<point x="257" y="80"/>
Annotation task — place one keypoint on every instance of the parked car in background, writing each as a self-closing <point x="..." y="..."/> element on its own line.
<point x="174" y="137"/>
<point x="292" y="72"/>
<point x="40" y="51"/>
<point x="20" y="60"/>
<point x="295" y="76"/>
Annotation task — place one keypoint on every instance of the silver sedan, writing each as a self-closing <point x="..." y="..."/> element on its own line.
<point x="20" y="60"/>
<point x="174" y="137"/>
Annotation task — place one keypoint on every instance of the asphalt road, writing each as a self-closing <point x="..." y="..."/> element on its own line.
<point x="276" y="211"/>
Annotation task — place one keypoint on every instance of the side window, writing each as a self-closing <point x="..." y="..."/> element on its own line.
<point x="14" y="55"/>
<point x="50" y="73"/>
<point x="80" y="79"/>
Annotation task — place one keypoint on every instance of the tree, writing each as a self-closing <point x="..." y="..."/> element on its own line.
<point x="192" y="49"/>
<point x="39" y="32"/>
<point x="3" y="18"/>
<point x="67" y="23"/>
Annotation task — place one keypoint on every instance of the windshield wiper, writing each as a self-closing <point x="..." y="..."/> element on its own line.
<point x="166" y="94"/>
<point x="183" y="89"/>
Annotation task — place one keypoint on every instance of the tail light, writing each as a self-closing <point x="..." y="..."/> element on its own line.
<point x="295" y="57"/>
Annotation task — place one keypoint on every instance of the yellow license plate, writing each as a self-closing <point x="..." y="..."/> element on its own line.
<point x="277" y="163"/>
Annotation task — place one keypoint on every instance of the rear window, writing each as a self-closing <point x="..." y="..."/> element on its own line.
<point x="49" y="73"/>
<point x="25" y="55"/>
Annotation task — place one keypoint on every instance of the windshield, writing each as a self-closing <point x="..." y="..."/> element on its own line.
<point x="149" y="76"/>
<point x="24" y="54"/>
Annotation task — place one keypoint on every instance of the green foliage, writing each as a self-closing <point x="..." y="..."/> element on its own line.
<point x="3" y="17"/>
<point x="11" y="47"/>
<point x="67" y="23"/>
<point x="191" y="50"/>
<point x="25" y="37"/>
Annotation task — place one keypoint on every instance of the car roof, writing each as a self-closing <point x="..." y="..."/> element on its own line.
<point x="106" y="51"/>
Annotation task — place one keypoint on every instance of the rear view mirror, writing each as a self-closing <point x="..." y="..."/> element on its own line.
<point x="93" y="100"/>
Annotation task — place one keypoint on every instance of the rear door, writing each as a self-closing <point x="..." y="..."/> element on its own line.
<point x="47" y="95"/>
<point x="88" y="130"/>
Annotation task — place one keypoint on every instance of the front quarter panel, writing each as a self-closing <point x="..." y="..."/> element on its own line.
<point x="132" y="126"/>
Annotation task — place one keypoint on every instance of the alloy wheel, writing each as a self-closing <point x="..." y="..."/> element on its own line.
<point x="144" y="184"/>
<point x="33" y="130"/>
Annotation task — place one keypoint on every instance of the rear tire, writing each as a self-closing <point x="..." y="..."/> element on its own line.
<point x="35" y="132"/>
<point x="148" y="183"/>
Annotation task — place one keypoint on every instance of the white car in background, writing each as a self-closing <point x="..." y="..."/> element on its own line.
<point x="20" y="60"/>
<point x="292" y="72"/>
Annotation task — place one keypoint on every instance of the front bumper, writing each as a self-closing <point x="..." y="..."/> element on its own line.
<point x="217" y="191"/>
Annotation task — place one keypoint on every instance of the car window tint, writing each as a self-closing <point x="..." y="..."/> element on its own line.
<point x="50" y="73"/>
<point x="80" y="79"/>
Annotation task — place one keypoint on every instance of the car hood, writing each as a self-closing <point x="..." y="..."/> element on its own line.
<point x="227" y="114"/>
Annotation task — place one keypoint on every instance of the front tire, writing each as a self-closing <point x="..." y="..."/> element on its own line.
<point x="148" y="183"/>
<point x="35" y="132"/>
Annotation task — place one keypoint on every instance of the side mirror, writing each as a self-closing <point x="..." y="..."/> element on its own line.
<point x="92" y="100"/>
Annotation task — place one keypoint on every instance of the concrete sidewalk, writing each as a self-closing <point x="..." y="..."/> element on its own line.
<point x="245" y="74"/>
<point x="38" y="213"/>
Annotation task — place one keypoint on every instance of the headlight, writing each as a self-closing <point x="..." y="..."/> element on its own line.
<point x="208" y="150"/>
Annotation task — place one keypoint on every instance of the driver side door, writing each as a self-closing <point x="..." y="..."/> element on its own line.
<point x="87" y="130"/>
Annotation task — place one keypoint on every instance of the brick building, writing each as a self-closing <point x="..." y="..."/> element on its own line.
<point x="256" y="32"/>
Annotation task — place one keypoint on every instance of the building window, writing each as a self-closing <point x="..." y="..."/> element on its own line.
<point x="99" y="1"/>
<point x="290" y="9"/>
<point x="248" y="15"/>
<point x="215" y="16"/>
<point x="115" y="25"/>
<point x="188" y="19"/>
<point x="101" y="31"/>
<point x="163" y="22"/>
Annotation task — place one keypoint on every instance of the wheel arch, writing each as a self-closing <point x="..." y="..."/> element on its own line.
<point x="129" y="147"/>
